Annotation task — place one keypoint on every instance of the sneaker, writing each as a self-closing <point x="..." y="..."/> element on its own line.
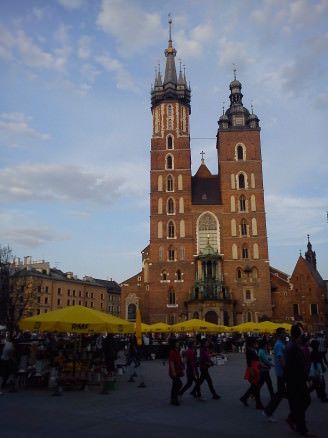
<point x="216" y="397"/>
<point x="269" y="418"/>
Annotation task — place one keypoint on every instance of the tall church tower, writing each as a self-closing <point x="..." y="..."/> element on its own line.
<point x="170" y="192"/>
<point x="245" y="244"/>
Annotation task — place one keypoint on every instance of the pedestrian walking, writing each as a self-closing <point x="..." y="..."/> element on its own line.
<point x="279" y="366"/>
<point x="191" y="371"/>
<point x="252" y="373"/>
<point x="316" y="372"/>
<point x="175" y="371"/>
<point x="322" y="347"/>
<point x="298" y="393"/>
<point x="205" y="363"/>
<point x="265" y="362"/>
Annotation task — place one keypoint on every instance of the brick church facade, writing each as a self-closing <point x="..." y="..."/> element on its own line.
<point x="208" y="254"/>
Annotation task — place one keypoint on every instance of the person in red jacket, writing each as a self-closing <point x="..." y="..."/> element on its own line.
<point x="175" y="371"/>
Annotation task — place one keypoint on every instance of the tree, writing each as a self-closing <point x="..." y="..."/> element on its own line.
<point x="18" y="290"/>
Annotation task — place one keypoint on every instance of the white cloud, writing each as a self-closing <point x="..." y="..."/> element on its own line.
<point x="89" y="72"/>
<point x="291" y="217"/>
<point x="84" y="48"/>
<point x="123" y="78"/>
<point x="71" y="4"/>
<point x="133" y="28"/>
<point x="55" y="182"/>
<point x="38" y="13"/>
<point x="29" y="237"/>
<point x="20" y="48"/>
<point x="303" y="12"/>
<point x="233" y="52"/>
<point x="17" y="123"/>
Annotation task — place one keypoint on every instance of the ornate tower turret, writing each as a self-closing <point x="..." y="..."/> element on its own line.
<point x="172" y="88"/>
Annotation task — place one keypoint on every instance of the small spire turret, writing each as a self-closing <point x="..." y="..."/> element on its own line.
<point x="310" y="256"/>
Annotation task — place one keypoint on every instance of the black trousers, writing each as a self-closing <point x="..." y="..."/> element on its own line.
<point x="266" y="378"/>
<point x="278" y="396"/>
<point x="191" y="378"/>
<point x="176" y="386"/>
<point x="204" y="375"/>
<point x="254" y="389"/>
<point x="299" y="401"/>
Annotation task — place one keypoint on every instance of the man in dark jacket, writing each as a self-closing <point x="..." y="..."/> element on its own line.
<point x="296" y="379"/>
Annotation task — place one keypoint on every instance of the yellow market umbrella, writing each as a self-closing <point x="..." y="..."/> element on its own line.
<point x="76" y="319"/>
<point x="145" y="328"/>
<point x="268" y="326"/>
<point x="246" y="327"/>
<point x="160" y="327"/>
<point x="195" y="325"/>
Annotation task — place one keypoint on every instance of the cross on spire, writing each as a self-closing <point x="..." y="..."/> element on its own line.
<point x="234" y="71"/>
<point x="202" y="154"/>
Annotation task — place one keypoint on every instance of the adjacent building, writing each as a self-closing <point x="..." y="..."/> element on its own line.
<point x="43" y="289"/>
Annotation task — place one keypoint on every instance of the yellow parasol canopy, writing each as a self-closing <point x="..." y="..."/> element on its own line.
<point x="268" y="326"/>
<point x="196" y="325"/>
<point x="246" y="327"/>
<point x="76" y="319"/>
<point x="160" y="327"/>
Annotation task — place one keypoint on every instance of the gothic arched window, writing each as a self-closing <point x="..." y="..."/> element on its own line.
<point x="240" y="152"/>
<point x="171" y="230"/>
<point x="245" y="252"/>
<point x="169" y="142"/>
<point x="169" y="162"/>
<point x="179" y="276"/>
<point x="208" y="232"/>
<point x="170" y="206"/>
<point x="171" y="296"/>
<point x="243" y="228"/>
<point x="242" y="203"/>
<point x="132" y="312"/>
<point x="241" y="181"/>
<point x="169" y="183"/>
<point x="171" y="254"/>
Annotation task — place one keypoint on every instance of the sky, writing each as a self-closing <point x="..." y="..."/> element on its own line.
<point x="76" y="124"/>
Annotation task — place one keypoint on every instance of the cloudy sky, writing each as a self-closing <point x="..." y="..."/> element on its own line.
<point x="75" y="120"/>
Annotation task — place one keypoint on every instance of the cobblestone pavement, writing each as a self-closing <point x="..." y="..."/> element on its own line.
<point x="133" y="411"/>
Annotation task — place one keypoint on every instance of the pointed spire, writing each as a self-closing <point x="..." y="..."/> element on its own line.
<point x="171" y="88"/>
<point x="170" y="53"/>
<point x="310" y="256"/>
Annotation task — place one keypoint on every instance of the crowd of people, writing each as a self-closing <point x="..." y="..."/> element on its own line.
<point x="298" y="359"/>
<point x="299" y="362"/>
